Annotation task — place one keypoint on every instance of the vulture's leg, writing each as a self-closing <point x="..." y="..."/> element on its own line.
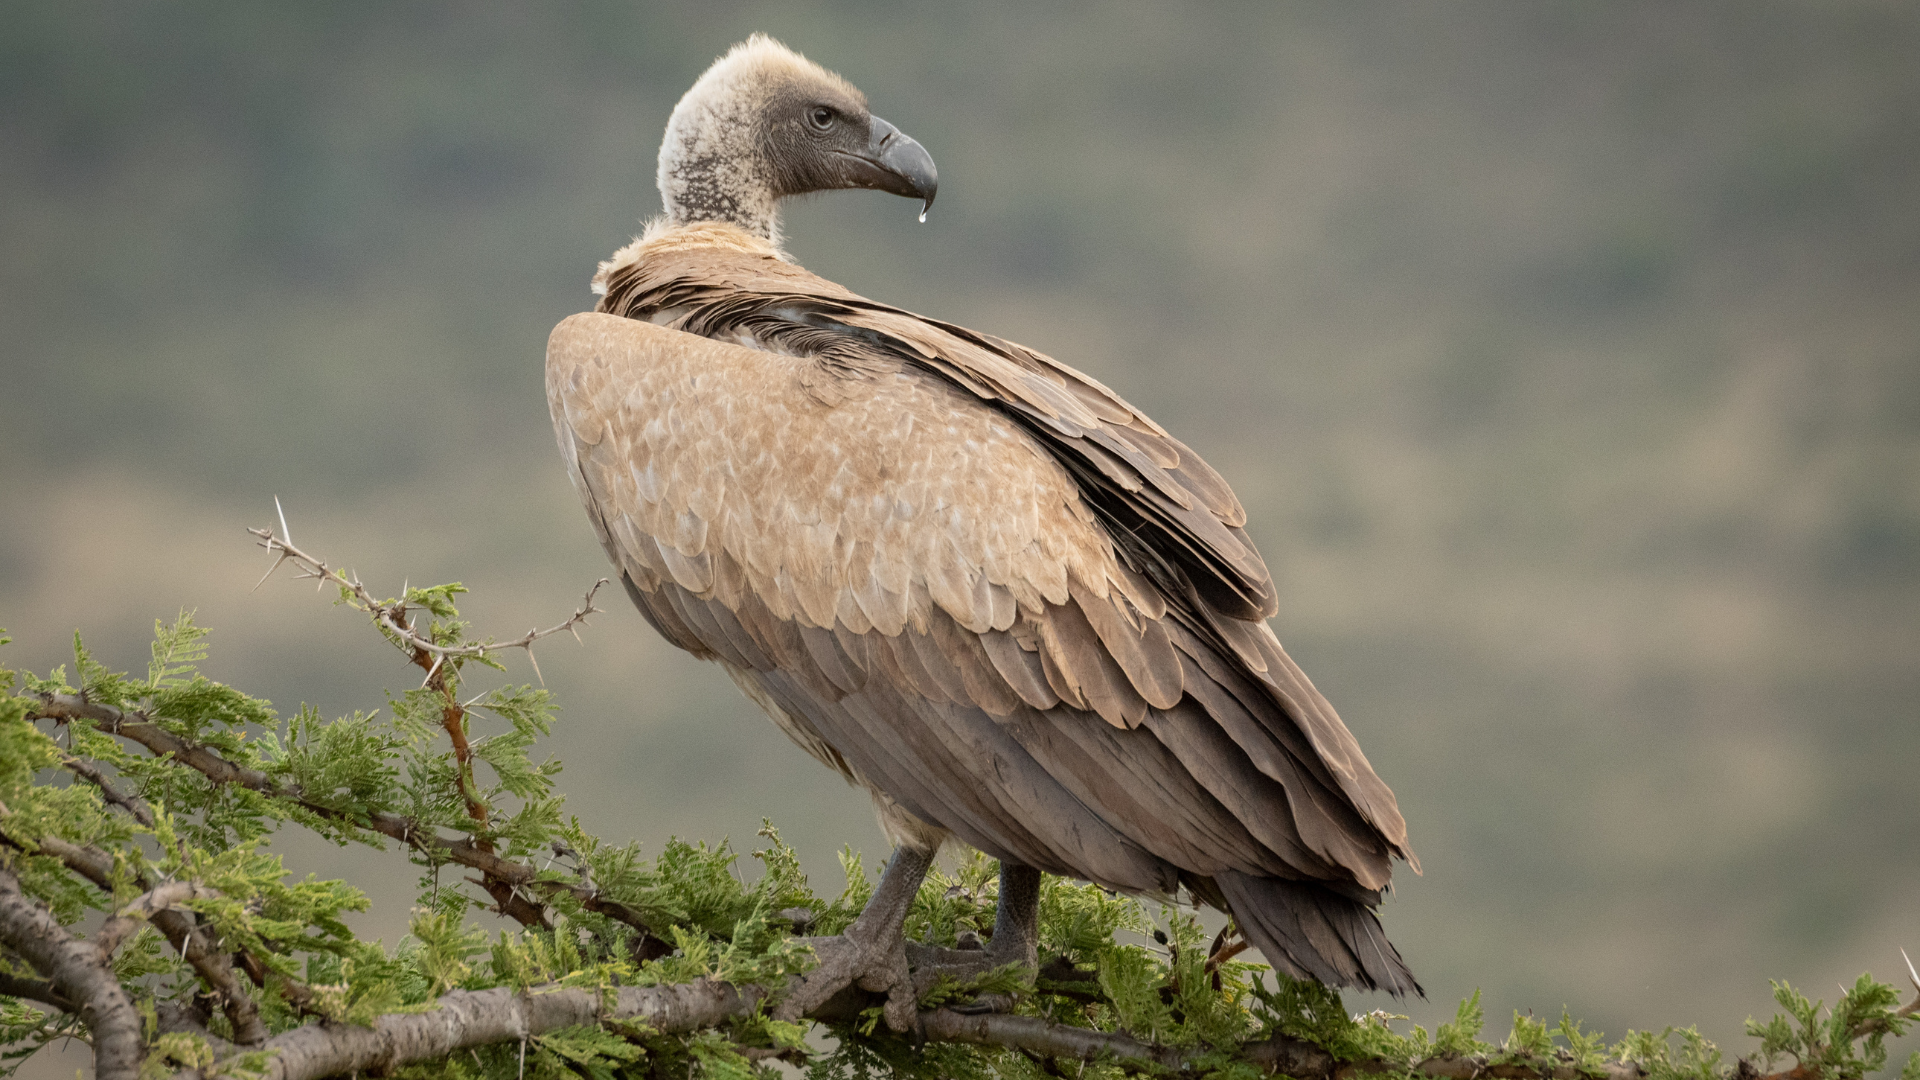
<point x="872" y="952"/>
<point x="1016" y="940"/>
<point x="1016" y="920"/>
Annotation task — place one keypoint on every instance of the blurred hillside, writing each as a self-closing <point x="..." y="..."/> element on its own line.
<point x="1567" y="357"/>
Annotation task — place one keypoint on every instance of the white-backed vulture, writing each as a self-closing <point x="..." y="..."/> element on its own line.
<point x="968" y="577"/>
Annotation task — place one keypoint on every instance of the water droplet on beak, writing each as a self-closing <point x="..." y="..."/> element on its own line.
<point x="923" y="211"/>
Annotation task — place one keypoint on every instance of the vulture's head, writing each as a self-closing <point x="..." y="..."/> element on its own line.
<point x="764" y="123"/>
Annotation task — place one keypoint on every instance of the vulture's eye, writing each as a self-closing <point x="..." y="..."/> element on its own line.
<point x="820" y="117"/>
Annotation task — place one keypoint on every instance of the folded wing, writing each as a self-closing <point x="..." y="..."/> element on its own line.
<point x="929" y="596"/>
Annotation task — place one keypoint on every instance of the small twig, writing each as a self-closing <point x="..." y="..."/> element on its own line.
<point x="395" y="620"/>
<point x="86" y="770"/>
<point x="392" y="617"/>
<point x="1224" y="950"/>
<point x="144" y="907"/>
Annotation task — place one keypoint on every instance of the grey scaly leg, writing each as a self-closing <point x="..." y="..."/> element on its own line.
<point x="1016" y="919"/>
<point x="870" y="953"/>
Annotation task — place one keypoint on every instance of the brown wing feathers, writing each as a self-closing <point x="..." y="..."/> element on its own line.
<point x="1107" y="713"/>
<point x="1139" y="478"/>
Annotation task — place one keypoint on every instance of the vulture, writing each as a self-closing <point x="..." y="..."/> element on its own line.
<point x="969" y="578"/>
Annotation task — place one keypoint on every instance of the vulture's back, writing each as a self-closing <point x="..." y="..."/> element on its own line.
<point x="976" y="582"/>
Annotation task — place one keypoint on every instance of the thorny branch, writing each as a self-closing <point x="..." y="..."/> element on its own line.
<point x="139" y="728"/>
<point x="394" y="617"/>
<point x="1909" y="1009"/>
<point x="396" y="621"/>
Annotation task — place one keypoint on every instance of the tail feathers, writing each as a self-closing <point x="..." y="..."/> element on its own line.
<point x="1309" y="931"/>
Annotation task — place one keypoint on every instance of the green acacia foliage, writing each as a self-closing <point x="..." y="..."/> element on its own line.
<point x="597" y="915"/>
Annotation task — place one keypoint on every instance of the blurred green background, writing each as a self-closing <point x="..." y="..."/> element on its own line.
<point x="1567" y="356"/>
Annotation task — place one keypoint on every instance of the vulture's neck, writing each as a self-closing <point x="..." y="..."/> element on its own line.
<point x="711" y="174"/>
<point x="663" y="238"/>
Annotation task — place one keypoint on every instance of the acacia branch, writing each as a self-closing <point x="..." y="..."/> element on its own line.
<point x="144" y="908"/>
<point x="1869" y="1027"/>
<point x="465" y="1019"/>
<point x="190" y="939"/>
<point x="76" y="971"/>
<point x="395" y="621"/>
<point x="393" y="617"/>
<point x="38" y="990"/>
<point x="140" y="728"/>
<point x="85" y="770"/>
<point x="472" y="1018"/>
<point x="182" y="930"/>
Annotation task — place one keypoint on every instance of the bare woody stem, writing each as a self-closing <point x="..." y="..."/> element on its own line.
<point x="144" y="908"/>
<point x="392" y="618"/>
<point x="464" y="1019"/>
<point x="77" y="971"/>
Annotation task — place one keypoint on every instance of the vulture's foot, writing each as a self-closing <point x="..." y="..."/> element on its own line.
<point x="1015" y="941"/>
<point x="932" y="965"/>
<point x="870" y="954"/>
<point x="873" y="965"/>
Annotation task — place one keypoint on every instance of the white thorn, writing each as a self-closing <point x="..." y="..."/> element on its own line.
<point x="269" y="573"/>
<point x="1911" y="974"/>
<point x="286" y="534"/>
<point x="536" y="667"/>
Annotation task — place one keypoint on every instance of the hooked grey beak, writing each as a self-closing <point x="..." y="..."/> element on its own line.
<point x="893" y="162"/>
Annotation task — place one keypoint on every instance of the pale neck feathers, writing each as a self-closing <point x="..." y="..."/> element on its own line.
<point x="662" y="236"/>
<point x="711" y="164"/>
